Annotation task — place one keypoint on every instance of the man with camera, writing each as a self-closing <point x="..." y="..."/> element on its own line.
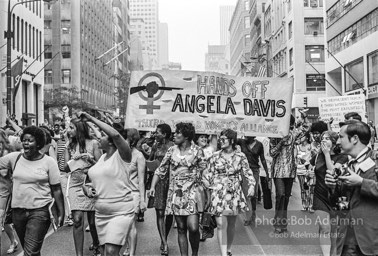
<point x="356" y="187"/>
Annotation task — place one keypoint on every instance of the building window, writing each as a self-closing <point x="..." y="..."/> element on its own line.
<point x="314" y="53"/>
<point x="290" y="29"/>
<point x="48" y="52"/>
<point x="305" y="3"/>
<point x="48" y="76"/>
<point x="291" y="57"/>
<point x="315" y="82"/>
<point x="47" y="24"/>
<point x="316" y="3"/>
<point x="246" y="5"/>
<point x="26" y="38"/>
<point x="356" y="69"/>
<point x="313" y="26"/>
<point x="359" y="30"/>
<point x="22" y="36"/>
<point x="373" y="68"/>
<point x="247" y="40"/>
<point x="13" y="29"/>
<point x="289" y="6"/>
<point x="66" y="51"/>
<point x="247" y="22"/>
<point x="66" y="76"/>
<point x="66" y="26"/>
<point x="30" y="40"/>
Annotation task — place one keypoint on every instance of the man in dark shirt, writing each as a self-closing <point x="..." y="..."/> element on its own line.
<point x="253" y="150"/>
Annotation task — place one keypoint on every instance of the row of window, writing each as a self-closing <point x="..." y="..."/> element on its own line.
<point x="356" y="32"/>
<point x="26" y="38"/>
<point x="339" y="9"/>
<point x="65" y="51"/>
<point x="35" y="7"/>
<point x="313" y="3"/>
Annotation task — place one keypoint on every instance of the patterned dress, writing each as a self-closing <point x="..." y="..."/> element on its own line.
<point x="158" y="152"/>
<point x="224" y="178"/>
<point x="78" y="200"/>
<point x="185" y="174"/>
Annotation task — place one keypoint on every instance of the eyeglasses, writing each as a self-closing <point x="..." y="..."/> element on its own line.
<point x="223" y="140"/>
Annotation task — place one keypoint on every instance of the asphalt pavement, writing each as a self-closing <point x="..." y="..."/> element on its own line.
<point x="301" y="238"/>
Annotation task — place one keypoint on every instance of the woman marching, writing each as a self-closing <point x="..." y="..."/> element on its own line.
<point x="303" y="156"/>
<point x="185" y="162"/>
<point x="223" y="179"/>
<point x="112" y="189"/>
<point x="5" y="194"/>
<point x="329" y="158"/>
<point x="158" y="151"/>
<point x="36" y="184"/>
<point x="82" y="152"/>
<point x="136" y="170"/>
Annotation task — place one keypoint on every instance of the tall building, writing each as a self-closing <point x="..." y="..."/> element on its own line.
<point x="163" y="44"/>
<point x="288" y="39"/>
<point x="138" y="30"/>
<point x="351" y="38"/>
<point x="240" y="38"/>
<point x="76" y="33"/>
<point x="225" y="16"/>
<point x="148" y="10"/>
<point x="215" y="59"/>
<point x="136" y="54"/>
<point x="27" y="43"/>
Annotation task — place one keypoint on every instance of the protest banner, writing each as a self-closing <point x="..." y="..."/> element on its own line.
<point x="254" y="106"/>
<point x="337" y="107"/>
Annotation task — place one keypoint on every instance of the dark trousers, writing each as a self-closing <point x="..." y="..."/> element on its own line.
<point x="283" y="192"/>
<point x="352" y="250"/>
<point x="31" y="227"/>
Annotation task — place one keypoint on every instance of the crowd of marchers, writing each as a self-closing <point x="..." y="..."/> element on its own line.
<point x="52" y="175"/>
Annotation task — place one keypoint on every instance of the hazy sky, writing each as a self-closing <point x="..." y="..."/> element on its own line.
<point x="192" y="26"/>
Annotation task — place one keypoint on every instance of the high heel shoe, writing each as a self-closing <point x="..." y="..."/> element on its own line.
<point x="165" y="251"/>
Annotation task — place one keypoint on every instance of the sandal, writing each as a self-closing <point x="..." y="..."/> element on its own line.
<point x="165" y="251"/>
<point x="12" y="248"/>
<point x="96" y="251"/>
<point x="229" y="254"/>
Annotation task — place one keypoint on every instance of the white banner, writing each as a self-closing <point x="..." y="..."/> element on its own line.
<point x="337" y="107"/>
<point x="211" y="101"/>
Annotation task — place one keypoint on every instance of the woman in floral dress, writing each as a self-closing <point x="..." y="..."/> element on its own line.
<point x="185" y="162"/>
<point x="223" y="179"/>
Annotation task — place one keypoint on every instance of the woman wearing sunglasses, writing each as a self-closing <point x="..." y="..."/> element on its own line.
<point x="223" y="179"/>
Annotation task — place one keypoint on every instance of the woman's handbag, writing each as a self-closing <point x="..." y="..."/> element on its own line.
<point x="267" y="193"/>
<point x="208" y="224"/>
<point x="151" y="201"/>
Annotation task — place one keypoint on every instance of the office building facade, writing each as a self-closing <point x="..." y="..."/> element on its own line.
<point x="26" y="44"/>
<point x="148" y="10"/>
<point x="76" y="34"/>
<point x="351" y="38"/>
<point x="225" y="15"/>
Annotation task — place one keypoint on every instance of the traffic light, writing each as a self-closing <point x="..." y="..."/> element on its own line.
<point x="305" y="101"/>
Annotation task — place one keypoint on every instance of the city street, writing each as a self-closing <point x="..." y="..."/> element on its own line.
<point x="258" y="241"/>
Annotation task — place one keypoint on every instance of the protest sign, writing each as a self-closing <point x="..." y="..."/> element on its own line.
<point x="213" y="102"/>
<point x="337" y="107"/>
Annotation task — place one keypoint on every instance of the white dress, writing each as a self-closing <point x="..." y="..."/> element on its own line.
<point x="114" y="205"/>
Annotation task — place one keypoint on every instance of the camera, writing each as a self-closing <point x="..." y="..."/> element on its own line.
<point x="337" y="172"/>
<point x="342" y="203"/>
